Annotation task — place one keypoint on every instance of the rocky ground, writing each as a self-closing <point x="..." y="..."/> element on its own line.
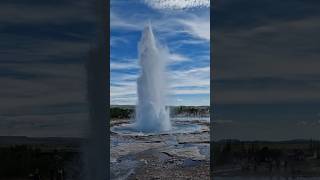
<point x="165" y="156"/>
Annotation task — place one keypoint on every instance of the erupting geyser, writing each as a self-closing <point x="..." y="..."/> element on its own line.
<point x="151" y="112"/>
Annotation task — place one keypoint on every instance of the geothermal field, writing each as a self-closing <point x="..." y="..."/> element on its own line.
<point x="182" y="152"/>
<point x="152" y="140"/>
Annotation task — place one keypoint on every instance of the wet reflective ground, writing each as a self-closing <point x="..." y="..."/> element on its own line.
<point x="181" y="153"/>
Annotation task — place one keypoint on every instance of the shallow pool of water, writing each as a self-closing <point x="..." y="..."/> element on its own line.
<point x="177" y="128"/>
<point x="189" y="118"/>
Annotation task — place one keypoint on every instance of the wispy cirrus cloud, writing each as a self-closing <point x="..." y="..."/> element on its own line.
<point x="177" y="4"/>
<point x="118" y="22"/>
<point x="178" y="58"/>
<point x="114" y="41"/>
<point x="186" y="35"/>
<point x="133" y="64"/>
<point x="197" y="27"/>
<point x="195" y="80"/>
<point x="123" y="65"/>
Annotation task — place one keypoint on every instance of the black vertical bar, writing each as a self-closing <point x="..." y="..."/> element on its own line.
<point x="211" y="89"/>
<point x="97" y="157"/>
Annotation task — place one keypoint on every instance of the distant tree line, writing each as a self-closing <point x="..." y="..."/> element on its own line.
<point x="121" y="113"/>
<point x="125" y="113"/>
<point x="190" y="110"/>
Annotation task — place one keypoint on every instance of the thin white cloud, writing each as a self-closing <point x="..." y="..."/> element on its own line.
<point x="122" y="91"/>
<point x="197" y="27"/>
<point x="117" y="22"/>
<point x="195" y="80"/>
<point x="123" y="65"/>
<point x="183" y="80"/>
<point x="114" y="41"/>
<point x="174" y="58"/>
<point x="120" y="77"/>
<point x="188" y="91"/>
<point x="122" y="86"/>
<point x="133" y="63"/>
<point x="177" y="4"/>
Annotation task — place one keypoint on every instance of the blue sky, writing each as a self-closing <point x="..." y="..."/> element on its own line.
<point x="183" y="27"/>
<point x="266" y="59"/>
